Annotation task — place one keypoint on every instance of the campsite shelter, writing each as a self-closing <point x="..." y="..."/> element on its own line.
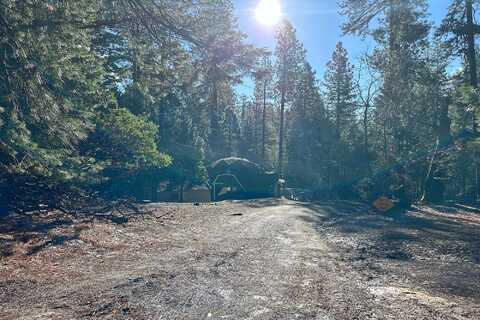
<point x="237" y="178"/>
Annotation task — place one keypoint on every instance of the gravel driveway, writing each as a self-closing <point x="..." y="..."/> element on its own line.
<point x="263" y="259"/>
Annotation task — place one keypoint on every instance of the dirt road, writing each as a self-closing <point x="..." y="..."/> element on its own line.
<point x="249" y="260"/>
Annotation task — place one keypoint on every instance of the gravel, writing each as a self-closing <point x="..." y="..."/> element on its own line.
<point x="264" y="259"/>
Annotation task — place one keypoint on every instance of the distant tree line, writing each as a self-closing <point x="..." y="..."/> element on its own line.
<point x="109" y="98"/>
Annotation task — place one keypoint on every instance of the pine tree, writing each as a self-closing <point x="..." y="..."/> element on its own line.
<point x="459" y="30"/>
<point x="263" y="97"/>
<point x="339" y="92"/>
<point x="308" y="129"/>
<point x="49" y="92"/>
<point x="341" y="106"/>
<point x="224" y="61"/>
<point x="289" y="54"/>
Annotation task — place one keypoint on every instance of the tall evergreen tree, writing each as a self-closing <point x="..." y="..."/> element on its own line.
<point x="339" y="93"/>
<point x="289" y="54"/>
<point x="341" y="106"/>
<point x="459" y="30"/>
<point x="263" y="94"/>
<point x="308" y="131"/>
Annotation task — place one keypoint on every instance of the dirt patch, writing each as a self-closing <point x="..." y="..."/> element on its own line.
<point x="263" y="259"/>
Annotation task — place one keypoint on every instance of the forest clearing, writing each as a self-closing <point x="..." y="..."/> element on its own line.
<point x="263" y="259"/>
<point x="239" y="159"/>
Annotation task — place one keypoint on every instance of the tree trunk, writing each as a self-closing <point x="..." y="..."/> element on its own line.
<point x="365" y="133"/>
<point x="337" y="115"/>
<point x="471" y="56"/>
<point x="430" y="192"/>
<point x="434" y="188"/>
<point x="264" y="122"/>
<point x="213" y="105"/>
<point x="280" y="142"/>
<point x="256" y="112"/>
<point x="385" y="139"/>
<point x="282" y="121"/>
<point x="214" y="132"/>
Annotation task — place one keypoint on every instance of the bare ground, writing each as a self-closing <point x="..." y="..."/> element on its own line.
<point x="264" y="259"/>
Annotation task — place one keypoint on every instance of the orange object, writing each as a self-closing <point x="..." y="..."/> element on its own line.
<point x="383" y="204"/>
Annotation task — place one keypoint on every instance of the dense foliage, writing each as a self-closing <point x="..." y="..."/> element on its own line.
<point x="115" y="97"/>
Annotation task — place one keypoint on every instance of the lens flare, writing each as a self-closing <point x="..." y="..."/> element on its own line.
<point x="269" y="12"/>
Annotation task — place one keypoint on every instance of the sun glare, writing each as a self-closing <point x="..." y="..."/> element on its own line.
<point x="269" y="12"/>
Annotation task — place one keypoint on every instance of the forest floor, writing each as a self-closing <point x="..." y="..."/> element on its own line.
<point x="264" y="259"/>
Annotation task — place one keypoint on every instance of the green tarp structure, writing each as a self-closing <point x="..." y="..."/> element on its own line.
<point x="248" y="179"/>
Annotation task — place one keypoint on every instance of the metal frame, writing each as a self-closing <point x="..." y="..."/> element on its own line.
<point x="224" y="175"/>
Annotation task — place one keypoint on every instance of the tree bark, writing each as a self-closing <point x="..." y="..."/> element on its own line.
<point x="282" y="121"/>
<point x="429" y="188"/>
<point x="471" y="55"/>
<point x="434" y="188"/>
<point x="264" y="121"/>
<point x="280" y="142"/>
<point x="385" y="139"/>
<point x="365" y="133"/>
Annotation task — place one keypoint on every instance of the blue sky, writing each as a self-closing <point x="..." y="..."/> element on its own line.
<point x="318" y="27"/>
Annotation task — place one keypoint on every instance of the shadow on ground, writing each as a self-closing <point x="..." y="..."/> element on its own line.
<point x="261" y="203"/>
<point x="33" y="229"/>
<point x="37" y="231"/>
<point x="423" y="246"/>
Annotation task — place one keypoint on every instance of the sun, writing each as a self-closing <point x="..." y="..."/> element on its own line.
<point x="268" y="12"/>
